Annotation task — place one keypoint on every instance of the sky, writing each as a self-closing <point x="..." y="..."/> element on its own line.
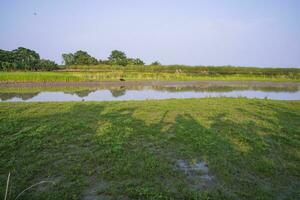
<point x="261" y="33"/>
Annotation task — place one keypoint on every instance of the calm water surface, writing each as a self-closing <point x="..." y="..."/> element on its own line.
<point x="148" y="90"/>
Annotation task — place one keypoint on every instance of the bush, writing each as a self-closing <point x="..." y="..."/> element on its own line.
<point x="136" y="61"/>
<point x="47" y="65"/>
<point x="156" y="63"/>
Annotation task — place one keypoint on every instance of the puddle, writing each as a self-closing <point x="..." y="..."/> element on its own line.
<point x="97" y="191"/>
<point x="197" y="173"/>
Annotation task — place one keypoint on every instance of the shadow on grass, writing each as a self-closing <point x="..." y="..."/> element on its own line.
<point x="79" y="145"/>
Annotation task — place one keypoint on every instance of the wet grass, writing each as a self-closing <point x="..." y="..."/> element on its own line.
<point x="130" y="149"/>
<point x="115" y="75"/>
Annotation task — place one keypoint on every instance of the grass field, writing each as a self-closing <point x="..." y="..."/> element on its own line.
<point x="175" y="72"/>
<point x="138" y="149"/>
<point x="115" y="75"/>
<point x="202" y="70"/>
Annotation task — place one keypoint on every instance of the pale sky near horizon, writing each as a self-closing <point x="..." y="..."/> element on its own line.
<point x="192" y="32"/>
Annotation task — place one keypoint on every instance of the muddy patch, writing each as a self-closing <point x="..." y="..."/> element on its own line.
<point x="197" y="174"/>
<point x="100" y="190"/>
<point x="97" y="191"/>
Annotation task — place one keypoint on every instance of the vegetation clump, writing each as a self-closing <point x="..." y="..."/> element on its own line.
<point x="79" y="58"/>
<point x="156" y="63"/>
<point x="81" y="66"/>
<point x="116" y="58"/>
<point x="24" y="59"/>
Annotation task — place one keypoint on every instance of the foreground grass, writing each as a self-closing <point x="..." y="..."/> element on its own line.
<point x="129" y="149"/>
<point x="115" y="75"/>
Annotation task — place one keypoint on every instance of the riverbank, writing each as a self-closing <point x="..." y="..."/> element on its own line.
<point x="141" y="90"/>
<point x="87" y="76"/>
<point x="209" y="148"/>
<point x="101" y="84"/>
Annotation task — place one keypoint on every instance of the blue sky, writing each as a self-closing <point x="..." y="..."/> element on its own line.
<point x="263" y="33"/>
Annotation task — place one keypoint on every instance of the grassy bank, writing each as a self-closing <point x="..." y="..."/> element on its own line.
<point x="201" y="70"/>
<point x="132" y="149"/>
<point x="115" y="75"/>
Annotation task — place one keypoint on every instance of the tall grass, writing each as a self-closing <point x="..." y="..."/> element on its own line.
<point x="37" y="76"/>
<point x="199" y="70"/>
<point x="113" y="75"/>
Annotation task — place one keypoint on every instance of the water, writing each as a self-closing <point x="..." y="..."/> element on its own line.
<point x="149" y="90"/>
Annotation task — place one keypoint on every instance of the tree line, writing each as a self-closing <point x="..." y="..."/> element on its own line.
<point x="27" y="59"/>
<point x="24" y="59"/>
<point x="116" y="58"/>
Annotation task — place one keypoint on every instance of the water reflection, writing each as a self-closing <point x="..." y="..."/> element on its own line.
<point x="22" y="96"/>
<point x="117" y="92"/>
<point x="143" y="92"/>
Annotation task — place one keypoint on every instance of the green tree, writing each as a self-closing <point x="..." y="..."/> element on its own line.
<point x="135" y="61"/>
<point x="6" y="60"/>
<point x="156" y="63"/>
<point x="6" y="56"/>
<point x="83" y="58"/>
<point x="104" y="62"/>
<point x="138" y="61"/>
<point x="118" y="58"/>
<point x="68" y="58"/>
<point x="25" y="58"/>
<point x="6" y="66"/>
<point x="47" y="65"/>
<point x="93" y="61"/>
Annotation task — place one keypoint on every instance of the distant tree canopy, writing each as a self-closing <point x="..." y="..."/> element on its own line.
<point x="135" y="61"/>
<point x="79" y="58"/>
<point x="156" y="63"/>
<point x="47" y="65"/>
<point x="119" y="58"/>
<point x="116" y="58"/>
<point x="24" y="59"/>
<point x="68" y="58"/>
<point x="27" y="59"/>
<point x="82" y="57"/>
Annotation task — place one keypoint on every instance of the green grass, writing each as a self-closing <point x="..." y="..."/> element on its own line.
<point x="115" y="75"/>
<point x="129" y="149"/>
<point x="173" y="72"/>
<point x="200" y="70"/>
<point x="71" y="89"/>
<point x="37" y="77"/>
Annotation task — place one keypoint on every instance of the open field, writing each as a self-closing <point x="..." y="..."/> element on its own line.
<point x="116" y="75"/>
<point x="215" y="148"/>
<point x="201" y="70"/>
<point x="171" y="73"/>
